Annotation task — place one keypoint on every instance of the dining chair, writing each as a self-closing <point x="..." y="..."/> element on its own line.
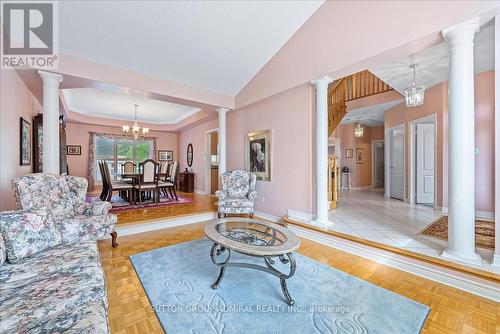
<point x="148" y="179"/>
<point x="171" y="181"/>
<point x="119" y="186"/>
<point x="104" y="192"/>
<point x="128" y="168"/>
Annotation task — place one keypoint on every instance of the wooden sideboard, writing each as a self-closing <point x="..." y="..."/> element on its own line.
<point x="186" y="182"/>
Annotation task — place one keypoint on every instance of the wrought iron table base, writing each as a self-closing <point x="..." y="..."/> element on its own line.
<point x="287" y="258"/>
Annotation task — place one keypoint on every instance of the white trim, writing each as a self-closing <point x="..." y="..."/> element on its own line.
<point x="267" y="216"/>
<point x="481" y="215"/>
<point x="201" y="192"/>
<point x="412" y="157"/>
<point x="374" y="144"/>
<point x="496" y="259"/>
<point x="447" y="276"/>
<point x="299" y="216"/>
<point x="208" y="160"/>
<point x="164" y="223"/>
<point x="387" y="165"/>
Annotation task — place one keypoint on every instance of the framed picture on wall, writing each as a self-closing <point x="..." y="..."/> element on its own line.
<point x="348" y="152"/>
<point x="165" y="155"/>
<point x="73" y="150"/>
<point x="25" y="142"/>
<point x="258" y="154"/>
<point x="360" y="156"/>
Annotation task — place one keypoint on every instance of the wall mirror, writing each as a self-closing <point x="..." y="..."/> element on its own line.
<point x="190" y="155"/>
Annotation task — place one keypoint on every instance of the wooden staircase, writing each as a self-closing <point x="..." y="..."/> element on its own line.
<point x="355" y="86"/>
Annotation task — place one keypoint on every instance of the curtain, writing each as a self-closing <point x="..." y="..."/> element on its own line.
<point x="92" y="153"/>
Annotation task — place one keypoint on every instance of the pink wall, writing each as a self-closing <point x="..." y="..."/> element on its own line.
<point x="361" y="174"/>
<point x="317" y="48"/>
<point x="436" y="101"/>
<point x="78" y="134"/>
<point x="16" y="101"/>
<point x="195" y="136"/>
<point x="290" y="117"/>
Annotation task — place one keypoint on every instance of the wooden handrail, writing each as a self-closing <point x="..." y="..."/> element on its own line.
<point x="352" y="87"/>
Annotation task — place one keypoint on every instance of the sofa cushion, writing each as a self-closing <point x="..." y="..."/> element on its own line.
<point x="36" y="191"/>
<point x="28" y="232"/>
<point x="53" y="287"/>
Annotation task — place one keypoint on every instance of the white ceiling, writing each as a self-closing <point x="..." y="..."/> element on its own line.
<point x="433" y="62"/>
<point x="369" y="116"/>
<point x="215" y="45"/>
<point x="106" y="104"/>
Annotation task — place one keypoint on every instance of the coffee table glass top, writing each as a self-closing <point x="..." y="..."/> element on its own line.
<point x="250" y="233"/>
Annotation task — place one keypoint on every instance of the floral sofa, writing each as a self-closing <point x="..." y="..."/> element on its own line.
<point x="238" y="193"/>
<point x="64" y="197"/>
<point x="51" y="279"/>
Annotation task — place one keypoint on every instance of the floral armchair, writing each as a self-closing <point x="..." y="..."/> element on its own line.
<point x="64" y="198"/>
<point x="238" y="193"/>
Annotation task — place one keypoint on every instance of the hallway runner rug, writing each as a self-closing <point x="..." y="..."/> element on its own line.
<point x="121" y="205"/>
<point x="177" y="282"/>
<point x="485" y="232"/>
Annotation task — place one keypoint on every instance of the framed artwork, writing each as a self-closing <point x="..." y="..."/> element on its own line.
<point x="165" y="155"/>
<point x="189" y="155"/>
<point x="348" y="152"/>
<point x="359" y="156"/>
<point x="258" y="154"/>
<point x="73" y="150"/>
<point x="25" y="142"/>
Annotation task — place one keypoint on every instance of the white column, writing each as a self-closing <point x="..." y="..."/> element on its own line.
<point x="321" y="85"/>
<point x="222" y="139"/>
<point x="461" y="204"/>
<point x="50" y="121"/>
<point x="496" y="257"/>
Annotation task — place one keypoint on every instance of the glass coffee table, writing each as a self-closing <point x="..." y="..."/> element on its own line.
<point x="255" y="238"/>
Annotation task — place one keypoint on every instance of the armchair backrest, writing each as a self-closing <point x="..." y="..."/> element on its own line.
<point x="77" y="188"/>
<point x="238" y="183"/>
<point x="43" y="190"/>
<point x="149" y="169"/>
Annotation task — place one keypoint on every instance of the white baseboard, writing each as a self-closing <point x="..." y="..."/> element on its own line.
<point x="201" y="192"/>
<point x="301" y="217"/>
<point x="267" y="216"/>
<point x="482" y="215"/>
<point x="164" y="223"/>
<point x="496" y="260"/>
<point x="456" y="279"/>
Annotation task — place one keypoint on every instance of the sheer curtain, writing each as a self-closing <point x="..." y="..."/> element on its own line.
<point x="92" y="152"/>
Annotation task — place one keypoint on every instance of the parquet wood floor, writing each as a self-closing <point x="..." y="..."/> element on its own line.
<point x="452" y="311"/>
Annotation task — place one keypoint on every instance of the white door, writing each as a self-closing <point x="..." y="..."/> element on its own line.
<point x="425" y="163"/>
<point x="397" y="163"/>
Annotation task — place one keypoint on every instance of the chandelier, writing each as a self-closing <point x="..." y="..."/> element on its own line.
<point x="137" y="131"/>
<point x="359" y="130"/>
<point x="414" y="93"/>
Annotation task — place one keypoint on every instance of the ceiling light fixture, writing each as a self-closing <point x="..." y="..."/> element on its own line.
<point x="136" y="129"/>
<point x="415" y="92"/>
<point x="359" y="130"/>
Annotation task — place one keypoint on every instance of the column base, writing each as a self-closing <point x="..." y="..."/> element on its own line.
<point x="321" y="223"/>
<point x="452" y="255"/>
<point x="496" y="260"/>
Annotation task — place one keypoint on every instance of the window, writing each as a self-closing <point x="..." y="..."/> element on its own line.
<point x="116" y="151"/>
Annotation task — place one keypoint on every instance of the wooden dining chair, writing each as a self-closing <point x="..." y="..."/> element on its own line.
<point x="128" y="168"/>
<point x="119" y="186"/>
<point x="148" y="179"/>
<point x="171" y="181"/>
<point x="104" y="192"/>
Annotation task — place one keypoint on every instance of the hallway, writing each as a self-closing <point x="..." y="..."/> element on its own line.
<point x="367" y="214"/>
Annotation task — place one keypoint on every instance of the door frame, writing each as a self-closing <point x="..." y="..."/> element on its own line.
<point x="387" y="164"/>
<point x="374" y="145"/>
<point x="412" y="159"/>
<point x="208" y="160"/>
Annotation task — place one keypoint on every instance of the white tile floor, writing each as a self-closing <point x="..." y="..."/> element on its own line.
<point x="367" y="214"/>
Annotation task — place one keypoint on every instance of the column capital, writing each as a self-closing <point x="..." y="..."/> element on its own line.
<point x="222" y="110"/>
<point x="323" y="80"/>
<point x="462" y="33"/>
<point x="52" y="79"/>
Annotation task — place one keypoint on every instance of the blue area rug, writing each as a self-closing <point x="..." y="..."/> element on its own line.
<point x="177" y="281"/>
